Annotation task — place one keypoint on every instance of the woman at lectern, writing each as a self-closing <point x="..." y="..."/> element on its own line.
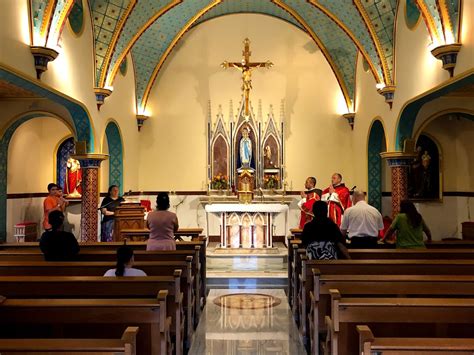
<point x="107" y="207"/>
<point x="163" y="224"/>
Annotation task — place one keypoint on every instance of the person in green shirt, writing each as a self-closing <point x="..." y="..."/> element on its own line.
<point x="409" y="226"/>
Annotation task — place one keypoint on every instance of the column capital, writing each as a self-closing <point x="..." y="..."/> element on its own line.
<point x="90" y="160"/>
<point x="398" y="158"/>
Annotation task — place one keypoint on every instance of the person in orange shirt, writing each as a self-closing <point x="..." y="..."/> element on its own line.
<point x="51" y="203"/>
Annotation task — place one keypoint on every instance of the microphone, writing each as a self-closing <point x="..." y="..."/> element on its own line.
<point x="128" y="193"/>
<point x="353" y="188"/>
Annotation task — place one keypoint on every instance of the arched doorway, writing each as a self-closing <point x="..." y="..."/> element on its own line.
<point x="27" y="165"/>
<point x="115" y="148"/>
<point x="376" y="145"/>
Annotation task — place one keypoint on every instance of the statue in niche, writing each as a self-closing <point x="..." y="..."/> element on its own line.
<point x="424" y="174"/>
<point x="267" y="158"/>
<point x="73" y="183"/>
<point x="245" y="148"/>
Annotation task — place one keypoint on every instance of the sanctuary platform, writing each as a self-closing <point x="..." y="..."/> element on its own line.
<point x="247" y="268"/>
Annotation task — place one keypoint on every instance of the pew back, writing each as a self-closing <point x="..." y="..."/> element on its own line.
<point x="86" y="318"/>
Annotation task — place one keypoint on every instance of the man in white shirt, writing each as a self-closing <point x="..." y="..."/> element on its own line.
<point x="361" y="223"/>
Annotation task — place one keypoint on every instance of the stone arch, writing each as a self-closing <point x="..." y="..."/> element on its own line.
<point x="409" y="112"/>
<point x="114" y="141"/>
<point x="376" y="145"/>
<point x="4" y="144"/>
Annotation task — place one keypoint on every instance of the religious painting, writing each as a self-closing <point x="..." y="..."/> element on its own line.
<point x="424" y="176"/>
<point x="68" y="170"/>
<point x="220" y="159"/>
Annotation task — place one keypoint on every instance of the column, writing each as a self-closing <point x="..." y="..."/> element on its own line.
<point x="90" y="164"/>
<point x="399" y="163"/>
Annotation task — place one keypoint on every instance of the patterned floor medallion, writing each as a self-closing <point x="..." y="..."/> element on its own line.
<point x="247" y="301"/>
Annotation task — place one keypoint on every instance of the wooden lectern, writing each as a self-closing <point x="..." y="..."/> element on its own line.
<point x="128" y="215"/>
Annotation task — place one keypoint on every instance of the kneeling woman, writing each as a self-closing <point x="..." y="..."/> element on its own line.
<point x="163" y="224"/>
<point x="321" y="237"/>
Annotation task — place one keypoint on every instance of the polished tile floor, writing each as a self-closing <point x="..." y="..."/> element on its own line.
<point x="251" y="322"/>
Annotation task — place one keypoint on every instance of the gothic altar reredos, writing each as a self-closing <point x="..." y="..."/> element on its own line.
<point x="246" y="153"/>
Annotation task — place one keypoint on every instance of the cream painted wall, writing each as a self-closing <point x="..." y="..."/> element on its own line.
<point x="466" y="55"/>
<point x="31" y="154"/>
<point x="315" y="133"/>
<point x="15" y="36"/>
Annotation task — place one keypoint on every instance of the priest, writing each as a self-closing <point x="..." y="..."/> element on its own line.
<point x="308" y="198"/>
<point x="338" y="198"/>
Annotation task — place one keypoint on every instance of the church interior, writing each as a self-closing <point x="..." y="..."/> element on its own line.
<point x="240" y="112"/>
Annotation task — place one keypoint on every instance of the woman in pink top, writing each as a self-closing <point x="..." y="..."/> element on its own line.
<point x="163" y="224"/>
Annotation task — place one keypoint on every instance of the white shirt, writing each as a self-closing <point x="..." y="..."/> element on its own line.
<point x="362" y="220"/>
<point x="128" y="272"/>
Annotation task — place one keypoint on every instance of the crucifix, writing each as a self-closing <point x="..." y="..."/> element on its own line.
<point x="246" y="67"/>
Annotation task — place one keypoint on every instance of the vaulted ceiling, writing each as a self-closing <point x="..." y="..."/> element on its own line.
<point x="149" y="30"/>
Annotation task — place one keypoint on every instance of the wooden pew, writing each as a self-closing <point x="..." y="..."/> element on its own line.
<point x="85" y="287"/>
<point x="425" y="254"/>
<point x="140" y="255"/>
<point x="379" y="286"/>
<point x="142" y="234"/>
<point x="96" y="268"/>
<point x="369" y="344"/>
<point x="184" y="245"/>
<point x="126" y="345"/>
<point x="85" y="318"/>
<point x="368" y="267"/>
<point x="414" y="317"/>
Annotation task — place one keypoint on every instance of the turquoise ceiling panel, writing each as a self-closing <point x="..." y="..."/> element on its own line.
<point x="453" y="9"/>
<point x="433" y="10"/>
<point x="382" y="16"/>
<point x="341" y="48"/>
<point x="152" y="45"/>
<point x="352" y="20"/>
<point x="142" y="12"/>
<point x="106" y="15"/>
<point x="412" y="13"/>
<point x="38" y="8"/>
<point x="265" y="7"/>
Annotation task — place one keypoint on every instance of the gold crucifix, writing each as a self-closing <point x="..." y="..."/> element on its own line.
<point x="245" y="66"/>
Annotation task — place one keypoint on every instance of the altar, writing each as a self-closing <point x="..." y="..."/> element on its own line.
<point x="247" y="225"/>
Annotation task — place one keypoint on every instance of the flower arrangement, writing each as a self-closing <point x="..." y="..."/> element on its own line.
<point x="270" y="181"/>
<point x="219" y="182"/>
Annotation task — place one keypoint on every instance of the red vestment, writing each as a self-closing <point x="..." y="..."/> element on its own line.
<point x="307" y="208"/>
<point x="338" y="202"/>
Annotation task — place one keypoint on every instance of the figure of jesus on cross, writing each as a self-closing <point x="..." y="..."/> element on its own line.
<point x="246" y="67"/>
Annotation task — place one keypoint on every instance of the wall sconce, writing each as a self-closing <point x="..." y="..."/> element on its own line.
<point x="42" y="56"/>
<point x="350" y="117"/>
<point x="448" y="54"/>
<point x="100" y="95"/>
<point x="140" y="120"/>
<point x="388" y="92"/>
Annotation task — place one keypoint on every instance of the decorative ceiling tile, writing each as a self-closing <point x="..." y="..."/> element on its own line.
<point x="348" y="15"/>
<point x="265" y="7"/>
<point x="382" y="16"/>
<point x="151" y="47"/>
<point x="106" y="15"/>
<point x="140" y="15"/>
<point x="340" y="48"/>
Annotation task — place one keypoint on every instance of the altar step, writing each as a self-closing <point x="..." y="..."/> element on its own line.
<point x="247" y="268"/>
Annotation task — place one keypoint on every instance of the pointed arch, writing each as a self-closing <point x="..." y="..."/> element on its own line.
<point x="114" y="142"/>
<point x="376" y="145"/>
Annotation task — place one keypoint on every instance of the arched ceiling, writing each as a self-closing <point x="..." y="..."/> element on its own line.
<point x="149" y="29"/>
